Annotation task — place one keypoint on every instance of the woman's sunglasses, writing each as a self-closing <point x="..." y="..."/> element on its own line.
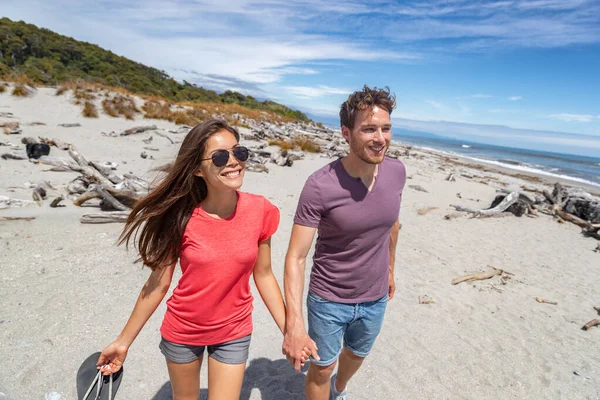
<point x="221" y="157"/>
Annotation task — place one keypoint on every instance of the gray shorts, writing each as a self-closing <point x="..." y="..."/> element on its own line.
<point x="232" y="352"/>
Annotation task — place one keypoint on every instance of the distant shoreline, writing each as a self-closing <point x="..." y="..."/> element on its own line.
<point x="544" y="177"/>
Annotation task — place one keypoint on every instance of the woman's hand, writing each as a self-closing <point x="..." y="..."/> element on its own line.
<point x="112" y="358"/>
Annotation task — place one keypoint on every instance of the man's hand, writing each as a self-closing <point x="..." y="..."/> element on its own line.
<point x="391" y="285"/>
<point x="297" y="345"/>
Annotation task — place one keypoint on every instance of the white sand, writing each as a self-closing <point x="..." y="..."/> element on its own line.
<point x="67" y="291"/>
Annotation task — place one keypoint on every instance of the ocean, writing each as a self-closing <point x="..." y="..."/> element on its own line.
<point x="576" y="168"/>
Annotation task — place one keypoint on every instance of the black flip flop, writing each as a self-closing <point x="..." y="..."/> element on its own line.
<point x="91" y="382"/>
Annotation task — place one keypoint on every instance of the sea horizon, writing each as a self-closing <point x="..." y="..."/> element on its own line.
<point x="576" y="168"/>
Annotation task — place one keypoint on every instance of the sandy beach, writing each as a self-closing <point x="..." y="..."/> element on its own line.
<point x="66" y="290"/>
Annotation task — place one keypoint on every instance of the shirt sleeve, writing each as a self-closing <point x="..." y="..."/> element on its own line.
<point x="270" y="221"/>
<point x="310" y="206"/>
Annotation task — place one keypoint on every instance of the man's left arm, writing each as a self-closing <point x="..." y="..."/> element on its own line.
<point x="393" y="242"/>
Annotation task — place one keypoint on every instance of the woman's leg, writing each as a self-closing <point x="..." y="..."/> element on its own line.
<point x="224" y="380"/>
<point x="185" y="379"/>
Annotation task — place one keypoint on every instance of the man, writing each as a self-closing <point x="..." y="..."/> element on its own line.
<point x="353" y="203"/>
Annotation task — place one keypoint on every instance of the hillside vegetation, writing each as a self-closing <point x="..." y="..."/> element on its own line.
<point x="48" y="58"/>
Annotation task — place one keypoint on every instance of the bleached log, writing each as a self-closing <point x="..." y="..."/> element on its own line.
<point x="477" y="277"/>
<point x="6" y="202"/>
<point x="507" y="202"/>
<point x="75" y="125"/>
<point x="105" y="217"/>
<point x="60" y="163"/>
<point x="13" y="155"/>
<point x="125" y="196"/>
<point x="55" y="142"/>
<point x="111" y="176"/>
<point x="16" y="218"/>
<point x="138" y="129"/>
<point x="109" y="198"/>
<point x="87" y="170"/>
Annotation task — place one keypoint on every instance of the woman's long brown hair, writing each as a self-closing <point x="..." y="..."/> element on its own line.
<point x="158" y="220"/>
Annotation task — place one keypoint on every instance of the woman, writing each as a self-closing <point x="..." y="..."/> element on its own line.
<point x="220" y="236"/>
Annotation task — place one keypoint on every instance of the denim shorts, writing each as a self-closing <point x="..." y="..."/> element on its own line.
<point x="357" y="324"/>
<point x="232" y="352"/>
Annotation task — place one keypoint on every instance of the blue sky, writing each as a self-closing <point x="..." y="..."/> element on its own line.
<point x="507" y="72"/>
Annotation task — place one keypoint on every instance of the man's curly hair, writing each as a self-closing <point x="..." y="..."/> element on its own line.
<point x="365" y="99"/>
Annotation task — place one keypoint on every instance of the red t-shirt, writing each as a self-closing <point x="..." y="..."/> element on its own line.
<point x="212" y="302"/>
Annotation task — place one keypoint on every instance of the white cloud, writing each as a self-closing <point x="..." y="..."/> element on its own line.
<point x="437" y="105"/>
<point x="573" y="117"/>
<point x="475" y="96"/>
<point x="515" y="98"/>
<point x="319" y="91"/>
<point x="480" y="96"/>
<point x="255" y="44"/>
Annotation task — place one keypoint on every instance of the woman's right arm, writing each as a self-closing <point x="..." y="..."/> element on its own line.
<point x="151" y="295"/>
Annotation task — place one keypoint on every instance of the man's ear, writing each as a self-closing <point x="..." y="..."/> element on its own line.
<point x="346" y="133"/>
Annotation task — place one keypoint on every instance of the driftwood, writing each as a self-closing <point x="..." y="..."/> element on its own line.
<point x="105" y="217"/>
<point x="165" y="136"/>
<point x="106" y="172"/>
<point x="124" y="196"/>
<point x="597" y="310"/>
<point x="540" y="300"/>
<point x="591" y="324"/>
<point x="16" y="218"/>
<point x="418" y="188"/>
<point x="14" y="156"/>
<point x="149" y="140"/>
<point x="138" y="129"/>
<point x="86" y="169"/>
<point x="56" y="201"/>
<point x="451" y="178"/>
<point x="77" y="186"/>
<point x="39" y="194"/>
<point x="59" y="164"/>
<point x="134" y="183"/>
<point x="478" y="277"/>
<point x="107" y="197"/>
<point x="6" y="202"/>
<point x="572" y="218"/>
<point x="55" y="142"/>
<point x="257" y="167"/>
<point x="504" y="204"/>
<point x="75" y="125"/>
<point x="425" y="300"/>
<point x="425" y="210"/>
<point x="10" y="125"/>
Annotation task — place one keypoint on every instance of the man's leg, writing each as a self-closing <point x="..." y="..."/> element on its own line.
<point x="326" y="323"/>
<point x="349" y="363"/>
<point x="317" y="385"/>
<point x="359" y="339"/>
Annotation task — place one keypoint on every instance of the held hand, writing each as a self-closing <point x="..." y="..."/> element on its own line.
<point x="297" y="346"/>
<point x="112" y="358"/>
<point x="391" y="286"/>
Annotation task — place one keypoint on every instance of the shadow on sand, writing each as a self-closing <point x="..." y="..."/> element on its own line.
<point x="275" y="380"/>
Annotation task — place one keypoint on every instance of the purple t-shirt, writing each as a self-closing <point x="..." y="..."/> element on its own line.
<point x="351" y="260"/>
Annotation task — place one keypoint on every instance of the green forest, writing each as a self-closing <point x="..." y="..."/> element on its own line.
<point x="49" y="58"/>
